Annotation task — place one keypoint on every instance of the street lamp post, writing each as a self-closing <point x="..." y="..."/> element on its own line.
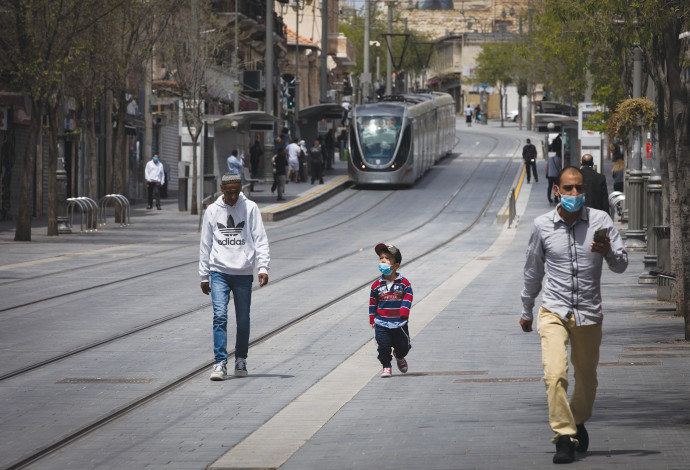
<point x="324" y="52"/>
<point x="236" y="90"/>
<point x="389" y="59"/>
<point x="366" y="75"/>
<point x="295" y="6"/>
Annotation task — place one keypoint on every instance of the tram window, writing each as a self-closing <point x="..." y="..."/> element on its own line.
<point x="378" y="136"/>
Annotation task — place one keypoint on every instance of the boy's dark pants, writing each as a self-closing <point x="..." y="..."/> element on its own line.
<point x="396" y="338"/>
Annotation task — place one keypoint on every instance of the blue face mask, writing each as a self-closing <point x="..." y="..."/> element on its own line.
<point x="155" y="160"/>
<point x="385" y="269"/>
<point x="572" y="203"/>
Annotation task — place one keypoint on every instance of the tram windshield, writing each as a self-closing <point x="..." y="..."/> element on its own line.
<point x="378" y="136"/>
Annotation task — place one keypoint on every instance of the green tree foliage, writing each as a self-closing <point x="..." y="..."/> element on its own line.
<point x="496" y="66"/>
<point x="418" y="45"/>
<point x="598" y="36"/>
<point x="40" y="43"/>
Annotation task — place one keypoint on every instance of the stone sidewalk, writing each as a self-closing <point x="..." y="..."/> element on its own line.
<point x="474" y="396"/>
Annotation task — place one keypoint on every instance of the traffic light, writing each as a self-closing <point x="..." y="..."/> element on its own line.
<point x="291" y="95"/>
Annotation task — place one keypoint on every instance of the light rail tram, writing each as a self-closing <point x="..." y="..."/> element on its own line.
<point x="395" y="141"/>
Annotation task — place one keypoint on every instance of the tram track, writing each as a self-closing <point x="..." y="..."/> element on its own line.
<point x="173" y="316"/>
<point x="177" y="247"/>
<point x="125" y="409"/>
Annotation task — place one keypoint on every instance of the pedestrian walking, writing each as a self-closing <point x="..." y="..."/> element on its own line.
<point x="293" y="161"/>
<point x="154" y="174"/>
<point x="303" y="167"/>
<point x="280" y="164"/>
<point x="529" y="156"/>
<point x="233" y="243"/>
<point x="553" y="169"/>
<point x="556" y="145"/>
<point x="234" y="163"/>
<point x="569" y="245"/>
<point x="255" y="154"/>
<point x="468" y="115"/>
<point x="330" y="148"/>
<point x="596" y="190"/>
<point x="618" y="174"/>
<point x="316" y="159"/>
<point x="390" y="301"/>
<point x="477" y="113"/>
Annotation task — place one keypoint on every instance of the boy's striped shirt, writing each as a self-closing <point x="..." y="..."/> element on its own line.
<point x="389" y="306"/>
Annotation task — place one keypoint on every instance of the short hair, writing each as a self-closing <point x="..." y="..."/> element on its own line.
<point x="569" y="169"/>
<point x="529" y="141"/>
<point x="587" y="160"/>
<point x="234" y="153"/>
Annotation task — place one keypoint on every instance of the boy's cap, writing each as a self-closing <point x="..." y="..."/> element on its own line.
<point x="384" y="248"/>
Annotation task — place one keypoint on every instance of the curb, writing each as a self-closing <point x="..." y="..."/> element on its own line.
<point x="308" y="201"/>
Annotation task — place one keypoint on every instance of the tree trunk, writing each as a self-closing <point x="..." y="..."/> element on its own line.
<point x="40" y="140"/>
<point x="109" y="145"/>
<point x="23" y="228"/>
<point x="674" y="142"/>
<point x="52" y="169"/>
<point x="119" y="177"/>
<point x="91" y="155"/>
<point x="194" y="209"/>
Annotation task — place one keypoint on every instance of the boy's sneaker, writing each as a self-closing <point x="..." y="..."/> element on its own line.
<point x="220" y="372"/>
<point x="240" y="367"/>
<point x="402" y="364"/>
<point x="386" y="372"/>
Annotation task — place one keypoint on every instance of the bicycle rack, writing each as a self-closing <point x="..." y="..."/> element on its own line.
<point x="87" y="207"/>
<point x="116" y="200"/>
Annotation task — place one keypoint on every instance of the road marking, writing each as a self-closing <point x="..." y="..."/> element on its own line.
<point x="271" y="445"/>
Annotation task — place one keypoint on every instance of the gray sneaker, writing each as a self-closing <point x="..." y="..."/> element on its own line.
<point x="220" y="372"/>
<point x="240" y="367"/>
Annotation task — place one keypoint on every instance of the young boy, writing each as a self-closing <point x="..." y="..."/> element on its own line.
<point x="389" y="309"/>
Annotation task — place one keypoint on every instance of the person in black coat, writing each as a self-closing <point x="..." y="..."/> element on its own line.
<point x="596" y="191"/>
<point x="255" y="154"/>
<point x="529" y="156"/>
<point x="330" y="148"/>
<point x="316" y="160"/>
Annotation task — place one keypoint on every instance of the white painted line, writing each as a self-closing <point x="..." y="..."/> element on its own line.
<point x="271" y="445"/>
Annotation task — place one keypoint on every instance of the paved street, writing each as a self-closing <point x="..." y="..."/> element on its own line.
<point x="473" y="397"/>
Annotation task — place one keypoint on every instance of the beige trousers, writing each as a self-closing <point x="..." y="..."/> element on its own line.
<point x="584" y="354"/>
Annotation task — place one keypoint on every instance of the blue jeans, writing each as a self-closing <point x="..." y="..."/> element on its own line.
<point x="241" y="287"/>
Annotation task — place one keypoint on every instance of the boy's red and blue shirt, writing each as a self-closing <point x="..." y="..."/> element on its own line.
<point x="389" y="304"/>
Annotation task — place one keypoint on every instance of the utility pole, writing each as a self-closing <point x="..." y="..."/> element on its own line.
<point x="268" y="73"/>
<point x="324" y="52"/>
<point x="295" y="5"/>
<point x="366" y="75"/>
<point x="268" y="65"/>
<point x="389" y="59"/>
<point x="236" y="88"/>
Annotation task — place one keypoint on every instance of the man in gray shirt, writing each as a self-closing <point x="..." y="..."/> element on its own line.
<point x="570" y="244"/>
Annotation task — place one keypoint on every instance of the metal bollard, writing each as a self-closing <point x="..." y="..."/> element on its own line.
<point x="511" y="208"/>
<point x="654" y="219"/>
<point x="635" y="234"/>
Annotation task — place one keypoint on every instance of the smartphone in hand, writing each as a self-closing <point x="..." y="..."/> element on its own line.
<point x="600" y="235"/>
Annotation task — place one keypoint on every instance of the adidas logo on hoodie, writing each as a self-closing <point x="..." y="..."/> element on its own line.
<point x="231" y="230"/>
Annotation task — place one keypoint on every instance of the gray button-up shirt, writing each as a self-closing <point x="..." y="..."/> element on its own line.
<point x="573" y="270"/>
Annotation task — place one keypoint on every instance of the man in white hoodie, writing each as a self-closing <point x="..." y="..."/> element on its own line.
<point x="233" y="243"/>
